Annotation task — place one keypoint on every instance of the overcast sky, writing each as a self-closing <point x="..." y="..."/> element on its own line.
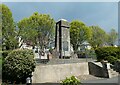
<point x="103" y="14"/>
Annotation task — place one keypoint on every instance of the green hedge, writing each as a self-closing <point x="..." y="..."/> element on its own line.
<point x="111" y="59"/>
<point x="108" y="53"/>
<point x="18" y="65"/>
<point x="5" y="53"/>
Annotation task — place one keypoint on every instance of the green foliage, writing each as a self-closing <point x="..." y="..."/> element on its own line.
<point x="111" y="59"/>
<point x="9" y="41"/>
<point x="18" y="65"/>
<point x="92" y="53"/>
<point x="79" y="33"/>
<point x="38" y="29"/>
<point x="71" y="81"/>
<point x="99" y="37"/>
<point x="104" y="53"/>
<point x="5" y="53"/>
<point x="112" y="37"/>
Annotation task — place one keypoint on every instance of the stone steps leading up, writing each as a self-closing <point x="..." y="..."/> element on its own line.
<point x="113" y="73"/>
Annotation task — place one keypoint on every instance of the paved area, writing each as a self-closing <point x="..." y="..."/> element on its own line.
<point x="88" y="77"/>
<point x="93" y="81"/>
<point x="111" y="81"/>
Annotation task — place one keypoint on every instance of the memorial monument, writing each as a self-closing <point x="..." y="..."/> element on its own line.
<point x="62" y="38"/>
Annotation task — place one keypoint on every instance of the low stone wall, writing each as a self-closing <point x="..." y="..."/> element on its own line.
<point x="54" y="73"/>
<point x="97" y="69"/>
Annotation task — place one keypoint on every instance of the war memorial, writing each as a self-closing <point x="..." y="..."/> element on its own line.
<point x="62" y="38"/>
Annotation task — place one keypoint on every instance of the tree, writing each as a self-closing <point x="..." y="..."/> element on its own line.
<point x="112" y="37"/>
<point x="98" y="38"/>
<point x="0" y="28"/>
<point x="79" y="33"/>
<point x="38" y="29"/>
<point x="9" y="41"/>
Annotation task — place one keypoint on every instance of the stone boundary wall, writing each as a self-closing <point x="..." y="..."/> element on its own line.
<point x="54" y="73"/>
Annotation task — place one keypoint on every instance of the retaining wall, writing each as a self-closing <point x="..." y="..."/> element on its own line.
<point x="54" y="73"/>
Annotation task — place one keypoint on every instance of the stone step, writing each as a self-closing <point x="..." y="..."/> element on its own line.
<point x="113" y="73"/>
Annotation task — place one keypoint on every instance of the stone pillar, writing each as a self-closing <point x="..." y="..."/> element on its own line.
<point x="62" y="38"/>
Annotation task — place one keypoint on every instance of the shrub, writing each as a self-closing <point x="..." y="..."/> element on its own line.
<point x="71" y="81"/>
<point x="5" y="53"/>
<point x="111" y="59"/>
<point x="18" y="65"/>
<point x="104" y="52"/>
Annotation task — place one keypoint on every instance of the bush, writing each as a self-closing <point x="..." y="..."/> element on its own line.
<point x="18" y="65"/>
<point x="111" y="59"/>
<point x="71" y="81"/>
<point x="5" y="53"/>
<point x="105" y="52"/>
